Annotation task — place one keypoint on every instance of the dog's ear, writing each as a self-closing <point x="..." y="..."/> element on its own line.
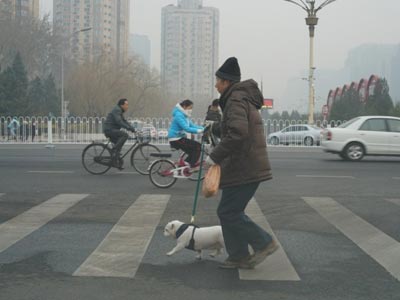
<point x="172" y="226"/>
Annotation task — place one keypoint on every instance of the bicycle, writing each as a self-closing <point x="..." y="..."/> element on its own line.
<point x="164" y="172"/>
<point x="97" y="157"/>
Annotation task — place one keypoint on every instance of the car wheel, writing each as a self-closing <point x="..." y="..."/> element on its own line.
<point x="274" y="141"/>
<point x="308" y="141"/>
<point x="354" y="151"/>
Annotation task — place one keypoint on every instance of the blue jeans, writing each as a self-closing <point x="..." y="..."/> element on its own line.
<point x="238" y="229"/>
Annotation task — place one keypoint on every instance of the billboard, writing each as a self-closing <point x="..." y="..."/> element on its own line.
<point x="268" y="103"/>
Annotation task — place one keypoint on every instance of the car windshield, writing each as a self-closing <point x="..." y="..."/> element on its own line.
<point x="348" y="123"/>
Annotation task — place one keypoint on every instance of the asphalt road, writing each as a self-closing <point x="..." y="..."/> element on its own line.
<point x="337" y="223"/>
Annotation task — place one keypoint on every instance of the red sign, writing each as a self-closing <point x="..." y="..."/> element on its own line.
<point x="268" y="103"/>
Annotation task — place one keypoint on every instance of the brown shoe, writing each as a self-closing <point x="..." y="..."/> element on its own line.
<point x="236" y="264"/>
<point x="260" y="255"/>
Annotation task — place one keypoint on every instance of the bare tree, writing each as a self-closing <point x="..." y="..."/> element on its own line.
<point x="94" y="87"/>
<point x="33" y="39"/>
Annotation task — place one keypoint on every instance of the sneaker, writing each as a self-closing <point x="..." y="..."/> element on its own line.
<point x="237" y="264"/>
<point x="260" y="255"/>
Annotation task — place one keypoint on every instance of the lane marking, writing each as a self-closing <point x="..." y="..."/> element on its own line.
<point x="325" y="176"/>
<point x="381" y="247"/>
<point x="126" y="173"/>
<point x="394" y="201"/>
<point x="396" y="178"/>
<point x="275" y="267"/>
<point x="24" y="224"/>
<point x="52" y="172"/>
<point x="122" y="250"/>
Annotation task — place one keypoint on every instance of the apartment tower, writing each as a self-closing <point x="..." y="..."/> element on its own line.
<point x="189" y="49"/>
<point x="19" y="8"/>
<point x="108" y="21"/>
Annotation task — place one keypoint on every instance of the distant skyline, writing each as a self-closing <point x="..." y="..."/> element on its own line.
<point x="270" y="38"/>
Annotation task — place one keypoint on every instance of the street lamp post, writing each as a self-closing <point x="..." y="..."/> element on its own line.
<point x="311" y="22"/>
<point x="63" y="108"/>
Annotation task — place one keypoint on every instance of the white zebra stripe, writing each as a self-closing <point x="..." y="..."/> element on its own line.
<point x="275" y="267"/>
<point x="22" y="225"/>
<point x="122" y="250"/>
<point x="381" y="247"/>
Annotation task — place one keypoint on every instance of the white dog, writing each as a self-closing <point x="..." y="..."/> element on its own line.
<point x="193" y="238"/>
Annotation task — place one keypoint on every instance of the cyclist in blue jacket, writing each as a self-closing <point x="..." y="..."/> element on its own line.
<point x="181" y="124"/>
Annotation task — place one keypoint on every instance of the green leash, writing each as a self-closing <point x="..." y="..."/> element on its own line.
<point x="196" y="195"/>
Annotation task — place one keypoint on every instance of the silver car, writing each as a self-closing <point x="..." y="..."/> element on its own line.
<point x="307" y="135"/>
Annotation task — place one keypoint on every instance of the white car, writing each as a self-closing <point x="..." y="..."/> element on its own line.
<point x="307" y="135"/>
<point x="162" y="133"/>
<point x="366" y="135"/>
<point x="150" y="130"/>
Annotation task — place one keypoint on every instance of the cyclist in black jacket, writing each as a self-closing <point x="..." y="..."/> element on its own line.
<point x="112" y="127"/>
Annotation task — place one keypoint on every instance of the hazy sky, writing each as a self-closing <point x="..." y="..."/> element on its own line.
<point x="270" y="38"/>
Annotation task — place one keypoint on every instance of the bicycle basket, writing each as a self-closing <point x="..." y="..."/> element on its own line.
<point x="145" y="136"/>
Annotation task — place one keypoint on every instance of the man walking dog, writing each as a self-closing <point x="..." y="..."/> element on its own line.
<point x="242" y="154"/>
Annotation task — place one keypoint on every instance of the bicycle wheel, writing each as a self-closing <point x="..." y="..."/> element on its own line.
<point x="140" y="157"/>
<point x="194" y="175"/>
<point x="96" y="159"/>
<point x="161" y="173"/>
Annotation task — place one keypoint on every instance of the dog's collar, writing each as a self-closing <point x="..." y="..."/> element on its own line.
<point x="181" y="230"/>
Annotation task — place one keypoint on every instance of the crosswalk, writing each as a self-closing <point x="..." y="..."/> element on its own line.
<point x="120" y="250"/>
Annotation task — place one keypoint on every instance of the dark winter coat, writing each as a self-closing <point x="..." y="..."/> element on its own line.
<point x="242" y="151"/>
<point x="213" y="115"/>
<point x="116" y="120"/>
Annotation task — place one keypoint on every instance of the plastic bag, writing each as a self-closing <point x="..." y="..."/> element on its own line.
<point x="211" y="181"/>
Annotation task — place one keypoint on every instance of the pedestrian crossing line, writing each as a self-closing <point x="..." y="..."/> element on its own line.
<point x="51" y="172"/>
<point x="122" y="250"/>
<point x="381" y="247"/>
<point x="326" y="176"/>
<point x="394" y="201"/>
<point x="1" y="194"/>
<point x="24" y="224"/>
<point x="275" y="267"/>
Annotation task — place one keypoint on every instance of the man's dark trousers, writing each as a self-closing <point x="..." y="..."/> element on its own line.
<point x="238" y="229"/>
<point x="118" y="137"/>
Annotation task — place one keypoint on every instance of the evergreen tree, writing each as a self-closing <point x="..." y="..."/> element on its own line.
<point x="52" y="97"/>
<point x="295" y="115"/>
<point x="285" y="115"/>
<point x="396" y="110"/>
<point x="275" y="116"/>
<point x="15" y="85"/>
<point x="3" y="103"/>
<point x="347" y="107"/>
<point x="36" y="98"/>
<point x="380" y="103"/>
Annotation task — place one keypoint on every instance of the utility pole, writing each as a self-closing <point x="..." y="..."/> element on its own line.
<point x="311" y="22"/>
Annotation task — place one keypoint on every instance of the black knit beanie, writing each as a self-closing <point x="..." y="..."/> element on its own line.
<point x="230" y="70"/>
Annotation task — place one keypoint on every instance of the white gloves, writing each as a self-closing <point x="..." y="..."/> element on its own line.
<point x="200" y="130"/>
<point x="209" y="161"/>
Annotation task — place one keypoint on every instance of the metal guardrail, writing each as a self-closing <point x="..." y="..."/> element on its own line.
<point x="83" y="130"/>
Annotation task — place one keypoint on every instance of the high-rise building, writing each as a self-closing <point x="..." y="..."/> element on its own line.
<point x="19" y="8"/>
<point x="108" y="21"/>
<point x="189" y="49"/>
<point x="140" y="45"/>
